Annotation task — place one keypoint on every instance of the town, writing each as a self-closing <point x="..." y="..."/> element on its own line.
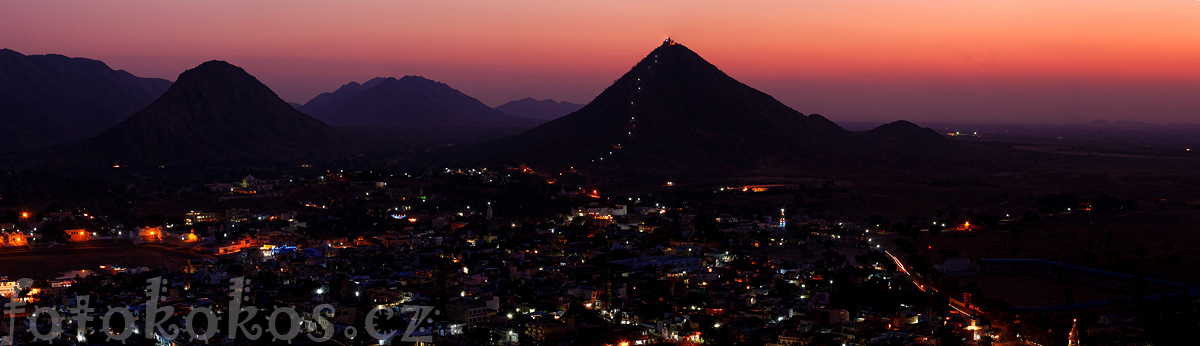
<point x="556" y="265"/>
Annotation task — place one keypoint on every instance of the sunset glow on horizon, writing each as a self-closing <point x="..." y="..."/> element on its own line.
<point x="1065" y="61"/>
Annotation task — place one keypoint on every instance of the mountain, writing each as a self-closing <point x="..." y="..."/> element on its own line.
<point x="538" y="109"/>
<point x="48" y="99"/>
<point x="902" y="139"/>
<point x="672" y="110"/>
<point x="327" y="103"/>
<point x="410" y="101"/>
<point x="214" y="114"/>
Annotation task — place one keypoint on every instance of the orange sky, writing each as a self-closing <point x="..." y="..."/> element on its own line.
<point x="851" y="60"/>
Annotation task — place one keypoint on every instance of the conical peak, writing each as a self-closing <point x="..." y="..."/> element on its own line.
<point x="216" y="64"/>
<point x="673" y="64"/>
<point x="670" y="46"/>
<point x="673" y="53"/>
<point x="214" y="73"/>
<point x="215" y="67"/>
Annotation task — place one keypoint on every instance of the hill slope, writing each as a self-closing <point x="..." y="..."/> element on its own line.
<point x="215" y="113"/>
<point x="538" y="109"/>
<point x="410" y="101"/>
<point x="673" y="109"/>
<point x="48" y="99"/>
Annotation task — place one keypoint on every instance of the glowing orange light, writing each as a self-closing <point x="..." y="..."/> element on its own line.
<point x="25" y="215"/>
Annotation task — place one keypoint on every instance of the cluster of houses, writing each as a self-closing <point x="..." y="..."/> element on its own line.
<point x="614" y="274"/>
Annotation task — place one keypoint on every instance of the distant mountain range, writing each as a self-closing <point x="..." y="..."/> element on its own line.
<point x="538" y="109"/>
<point x="214" y="114"/>
<point x="674" y="111"/>
<point x="49" y="99"/>
<point x="410" y="101"/>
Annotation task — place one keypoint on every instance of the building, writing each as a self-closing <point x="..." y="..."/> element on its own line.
<point x="239" y="245"/>
<point x="78" y="235"/>
<point x="618" y="210"/>
<point x="151" y="234"/>
<point x="547" y="330"/>
<point x="14" y="239"/>
<point x="670" y="264"/>
<point x="253" y="185"/>
<point x="471" y="310"/>
<point x="200" y="216"/>
<point x="8" y="289"/>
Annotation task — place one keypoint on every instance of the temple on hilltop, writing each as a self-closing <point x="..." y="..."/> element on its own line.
<point x="669" y="42"/>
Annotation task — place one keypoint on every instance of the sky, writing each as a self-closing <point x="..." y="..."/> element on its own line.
<point x="957" y="61"/>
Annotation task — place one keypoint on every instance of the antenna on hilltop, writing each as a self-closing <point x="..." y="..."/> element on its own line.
<point x="669" y="42"/>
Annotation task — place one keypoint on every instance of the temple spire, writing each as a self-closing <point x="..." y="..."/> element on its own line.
<point x="1073" y="336"/>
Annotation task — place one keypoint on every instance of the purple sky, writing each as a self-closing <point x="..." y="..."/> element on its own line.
<point x="1067" y="61"/>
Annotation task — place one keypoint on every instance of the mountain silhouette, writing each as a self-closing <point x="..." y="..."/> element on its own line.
<point x="538" y="109"/>
<point x="49" y="99"/>
<point x="673" y="109"/>
<point x="901" y="139"/>
<point x="328" y="103"/>
<point x="215" y="113"/>
<point x="410" y="101"/>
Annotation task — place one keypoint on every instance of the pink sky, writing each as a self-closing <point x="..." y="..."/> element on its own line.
<point x="851" y="60"/>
